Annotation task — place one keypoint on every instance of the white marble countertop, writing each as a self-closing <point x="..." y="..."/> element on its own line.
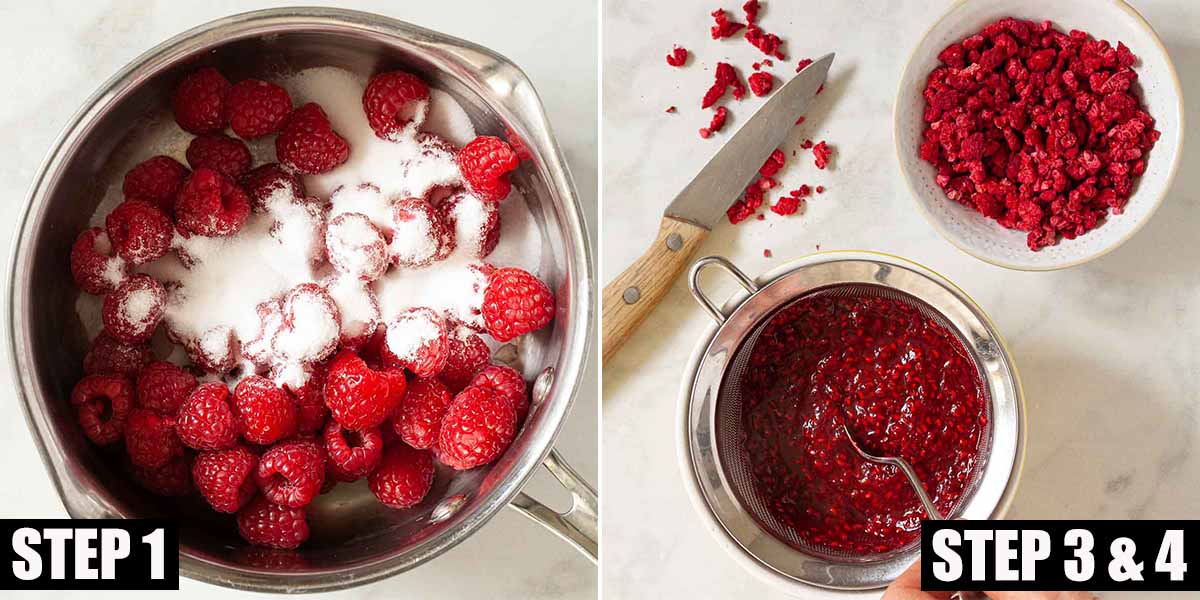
<point x="53" y="56"/>
<point x="1107" y="351"/>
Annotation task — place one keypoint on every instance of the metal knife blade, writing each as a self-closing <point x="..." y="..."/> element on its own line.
<point x="724" y="178"/>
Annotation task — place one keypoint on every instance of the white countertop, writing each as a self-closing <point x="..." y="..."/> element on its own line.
<point x="1107" y="351"/>
<point x="54" y="54"/>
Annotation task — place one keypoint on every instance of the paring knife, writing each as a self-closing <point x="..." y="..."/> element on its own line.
<point x="693" y="213"/>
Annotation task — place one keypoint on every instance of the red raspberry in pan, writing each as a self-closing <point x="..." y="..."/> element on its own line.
<point x="677" y="57"/>
<point x="132" y="311"/>
<point x="356" y="247"/>
<point x="265" y="412"/>
<point x="95" y="266"/>
<point x="404" y="477"/>
<point x="417" y="339"/>
<point x="199" y="102"/>
<point x="821" y="154"/>
<point x="308" y="144"/>
<point x="310" y="326"/>
<point x="419" y="235"/>
<point x="761" y="83"/>
<point x="220" y="153"/>
<point x="150" y="439"/>
<point x="474" y="224"/>
<point x="311" y="412"/>
<point x="485" y="163"/>
<point x="139" y="231"/>
<point x="466" y="354"/>
<point x="210" y="204"/>
<point x="393" y="101"/>
<point x="102" y="404"/>
<point x="206" y="420"/>
<point x="110" y="356"/>
<point x="256" y="108"/>
<point x="507" y="383"/>
<point x="264" y="523"/>
<point x="724" y="26"/>
<point x="420" y="414"/>
<point x="516" y="303"/>
<point x="358" y="396"/>
<point x="352" y="454"/>
<point x="225" y="477"/>
<point x="163" y="387"/>
<point x="478" y="427"/>
<point x="262" y="182"/>
<point x="172" y="480"/>
<point x="155" y="180"/>
<point x="291" y="473"/>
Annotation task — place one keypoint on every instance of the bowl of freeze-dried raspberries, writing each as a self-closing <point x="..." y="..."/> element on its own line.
<point x="1038" y="136"/>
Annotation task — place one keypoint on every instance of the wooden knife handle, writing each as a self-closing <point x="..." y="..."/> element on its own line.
<point x="633" y="294"/>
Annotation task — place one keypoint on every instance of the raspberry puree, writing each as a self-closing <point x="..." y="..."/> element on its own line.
<point x="903" y="384"/>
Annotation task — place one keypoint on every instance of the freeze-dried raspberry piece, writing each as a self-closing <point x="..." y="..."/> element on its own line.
<point x="419" y="236"/>
<point x="724" y="77"/>
<point x="265" y="412"/>
<point x="290" y="473"/>
<point x="394" y="102"/>
<point x="110" y="356"/>
<point x="225" y="477"/>
<point x="478" y="427"/>
<point x="820" y="189"/>
<point x="403" y="478"/>
<point x="215" y="350"/>
<point x="139" y="231"/>
<point x="718" y="121"/>
<point x="786" y="205"/>
<point x="210" y="204"/>
<point x="507" y="383"/>
<point x="359" y="397"/>
<point x="163" y="387"/>
<point x="220" y="153"/>
<point x="199" y="101"/>
<point x="155" y="180"/>
<point x="310" y="327"/>
<point x="515" y="303"/>
<point x="206" y="420"/>
<point x="357" y="306"/>
<point x="821" y="154"/>
<point x="102" y="404"/>
<point x="261" y="183"/>
<point x="150" y="439"/>
<point x="308" y="144"/>
<point x="466" y="353"/>
<point x="473" y="224"/>
<point x="761" y="83"/>
<point x="417" y="339"/>
<point x="95" y="265"/>
<point x="751" y="8"/>
<point x="264" y="523"/>
<point x="352" y="454"/>
<point x="723" y="25"/>
<point x="485" y="163"/>
<point x="356" y="247"/>
<point x="417" y="419"/>
<point x="806" y="144"/>
<point x="803" y="64"/>
<point x="172" y="480"/>
<point x="677" y="57"/>
<point x="132" y="311"/>
<point x="256" y="108"/>
<point x="768" y="43"/>
<point x="773" y="164"/>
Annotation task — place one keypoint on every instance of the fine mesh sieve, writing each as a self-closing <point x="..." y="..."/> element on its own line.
<point x="720" y="473"/>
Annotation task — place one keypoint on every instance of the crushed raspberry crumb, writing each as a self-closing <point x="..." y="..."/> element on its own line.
<point x="677" y="57"/>
<point x="718" y="121"/>
<point x="724" y="26"/>
<point x="820" y="189"/>
<point x="804" y="62"/>
<point x="806" y="144"/>
<point x="821" y="154"/>
<point x="766" y="253"/>
<point x="800" y="121"/>
<point x="768" y="43"/>
<point x="724" y="77"/>
<point x="671" y="109"/>
<point x="761" y="83"/>
<point x="786" y="205"/>
<point x="773" y="165"/>
<point x="751" y="8"/>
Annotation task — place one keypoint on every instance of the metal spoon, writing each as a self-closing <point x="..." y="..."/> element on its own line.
<point x="905" y="468"/>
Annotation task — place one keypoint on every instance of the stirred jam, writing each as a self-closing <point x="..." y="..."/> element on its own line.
<point x="904" y="385"/>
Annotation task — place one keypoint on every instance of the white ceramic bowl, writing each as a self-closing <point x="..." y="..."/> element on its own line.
<point x="983" y="238"/>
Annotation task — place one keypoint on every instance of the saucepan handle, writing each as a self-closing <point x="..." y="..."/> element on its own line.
<point x="578" y="525"/>
<point x="694" y="283"/>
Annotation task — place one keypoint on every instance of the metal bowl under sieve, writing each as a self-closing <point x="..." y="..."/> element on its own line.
<point x="716" y="469"/>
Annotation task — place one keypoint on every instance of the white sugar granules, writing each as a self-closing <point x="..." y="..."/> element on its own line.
<point x="139" y="306"/>
<point x="470" y="214"/>
<point x="356" y="304"/>
<point x="446" y="118"/>
<point x="314" y="330"/>
<point x="406" y="335"/>
<point x="366" y="200"/>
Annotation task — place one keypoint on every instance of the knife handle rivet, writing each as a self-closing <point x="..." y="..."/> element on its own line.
<point x="631" y="295"/>
<point x="674" y="242"/>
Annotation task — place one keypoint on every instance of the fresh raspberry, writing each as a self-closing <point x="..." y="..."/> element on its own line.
<point x="474" y="224"/>
<point x="419" y="234"/>
<point x="163" y="387"/>
<point x="718" y="121"/>
<point x="308" y="144"/>
<point x="265" y="413"/>
<point x="466" y="354"/>
<point x="311" y="412"/>
<point x="102" y="404"/>
<point x="774" y="163"/>
<point x="420" y="414"/>
<point x="205" y="420"/>
<point x="677" y="57"/>
<point x="132" y="311"/>
<point x="393" y="102"/>
<point x="264" y="523"/>
<point x="220" y="153"/>
<point x="352" y="454"/>
<point x="262" y="182"/>
<point x="404" y="477"/>
<point x="150" y="439"/>
<point x="478" y="427"/>
<point x="291" y="472"/>
<point x="724" y="26"/>
<point x="417" y="340"/>
<point x="359" y="397"/>
<point x="110" y="356"/>
<point x="139" y="231"/>
<point x="485" y="163"/>
<point x="356" y="247"/>
<point x="310" y="325"/>
<point x="803" y="64"/>
<point x="172" y="480"/>
<point x="225" y="477"/>
<point x="211" y="205"/>
<point x="507" y="383"/>
<point x="256" y="108"/>
<point x="199" y="102"/>
<point x="516" y="303"/>
<point x="95" y="266"/>
<point x="215" y="351"/>
<point x="761" y="83"/>
<point x="156" y="180"/>
<point x="821" y="154"/>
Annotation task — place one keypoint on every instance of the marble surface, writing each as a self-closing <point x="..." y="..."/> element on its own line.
<point x="53" y="56"/>
<point x="1106" y="350"/>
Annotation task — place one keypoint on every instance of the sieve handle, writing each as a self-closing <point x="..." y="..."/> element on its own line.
<point x="694" y="283"/>
<point x="579" y="526"/>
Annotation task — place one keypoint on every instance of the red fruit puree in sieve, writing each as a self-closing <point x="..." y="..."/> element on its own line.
<point x="904" y="385"/>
